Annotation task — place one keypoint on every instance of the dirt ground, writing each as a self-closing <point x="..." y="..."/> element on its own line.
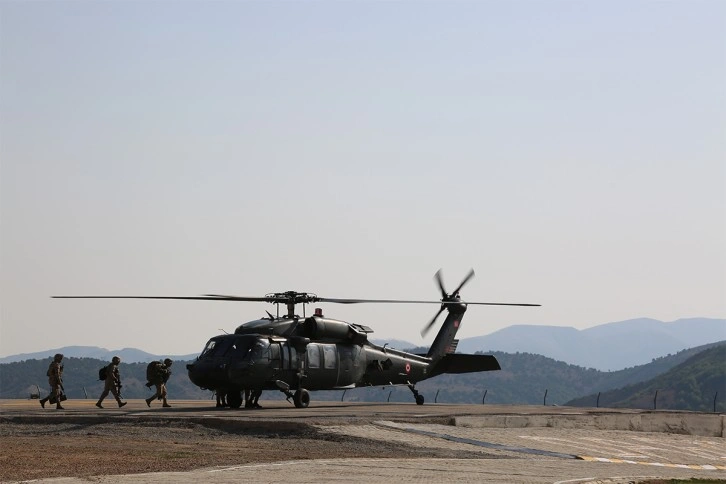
<point x="44" y="450"/>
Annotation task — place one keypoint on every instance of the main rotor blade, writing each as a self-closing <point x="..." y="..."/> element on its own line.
<point x="466" y="279"/>
<point x="196" y="298"/>
<point x="211" y="297"/>
<point x="402" y="301"/>
<point x="431" y="323"/>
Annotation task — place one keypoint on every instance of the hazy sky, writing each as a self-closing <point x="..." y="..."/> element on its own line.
<point x="572" y="152"/>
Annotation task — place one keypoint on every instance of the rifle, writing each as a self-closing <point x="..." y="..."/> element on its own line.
<point x="60" y="397"/>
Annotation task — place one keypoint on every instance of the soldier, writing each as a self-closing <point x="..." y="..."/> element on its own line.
<point x="55" y="379"/>
<point x="159" y="377"/>
<point x="113" y="383"/>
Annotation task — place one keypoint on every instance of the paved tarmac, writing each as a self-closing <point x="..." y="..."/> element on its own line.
<point x="519" y="444"/>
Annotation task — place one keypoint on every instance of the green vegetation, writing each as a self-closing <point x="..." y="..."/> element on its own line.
<point x="692" y="385"/>
<point x="80" y="378"/>
<point x="687" y="380"/>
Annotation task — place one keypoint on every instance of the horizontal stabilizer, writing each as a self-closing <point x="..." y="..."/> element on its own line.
<point x="458" y="363"/>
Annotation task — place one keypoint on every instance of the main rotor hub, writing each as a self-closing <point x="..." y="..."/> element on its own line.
<point x="290" y="299"/>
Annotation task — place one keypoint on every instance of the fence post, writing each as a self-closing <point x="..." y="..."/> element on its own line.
<point x="389" y="396"/>
<point x="655" y="400"/>
<point x="714" y="402"/>
<point x="598" y="400"/>
<point x="85" y="392"/>
<point x="437" y="395"/>
<point x="545" y="398"/>
<point x="484" y="397"/>
<point x="341" y="398"/>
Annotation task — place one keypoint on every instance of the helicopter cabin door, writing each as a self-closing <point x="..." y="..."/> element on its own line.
<point x="322" y="366"/>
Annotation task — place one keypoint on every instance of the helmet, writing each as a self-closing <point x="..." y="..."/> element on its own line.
<point x="168" y="362"/>
<point x="58" y="357"/>
<point x="116" y="360"/>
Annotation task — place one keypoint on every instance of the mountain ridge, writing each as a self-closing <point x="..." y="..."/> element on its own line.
<point x="607" y="347"/>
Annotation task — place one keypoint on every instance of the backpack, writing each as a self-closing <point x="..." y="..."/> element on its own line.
<point x="152" y="371"/>
<point x="102" y="373"/>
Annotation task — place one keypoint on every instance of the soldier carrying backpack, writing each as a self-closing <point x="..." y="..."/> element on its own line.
<point x="157" y="374"/>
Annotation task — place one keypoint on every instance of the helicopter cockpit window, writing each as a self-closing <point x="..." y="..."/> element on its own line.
<point x="240" y="348"/>
<point x="260" y="348"/>
<point x="209" y="349"/>
<point x="313" y="356"/>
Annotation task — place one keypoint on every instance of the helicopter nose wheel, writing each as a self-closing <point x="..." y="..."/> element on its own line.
<point x="301" y="398"/>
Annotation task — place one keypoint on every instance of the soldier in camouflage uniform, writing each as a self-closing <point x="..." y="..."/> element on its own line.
<point x="113" y="383"/>
<point x="55" y="379"/>
<point x="159" y="378"/>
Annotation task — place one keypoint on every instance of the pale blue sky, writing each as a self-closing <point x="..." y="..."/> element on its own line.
<point x="573" y="153"/>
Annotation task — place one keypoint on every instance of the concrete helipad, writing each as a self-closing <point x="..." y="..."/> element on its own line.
<point x="529" y="444"/>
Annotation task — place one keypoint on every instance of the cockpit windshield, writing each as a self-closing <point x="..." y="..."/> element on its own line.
<point x="237" y="348"/>
<point x="209" y="348"/>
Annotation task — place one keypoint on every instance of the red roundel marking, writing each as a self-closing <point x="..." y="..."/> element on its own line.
<point x="456" y="323"/>
<point x="408" y="368"/>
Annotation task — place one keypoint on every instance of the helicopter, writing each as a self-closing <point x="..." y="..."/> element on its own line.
<point x="298" y="354"/>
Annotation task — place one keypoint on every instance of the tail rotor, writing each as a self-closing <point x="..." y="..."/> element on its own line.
<point x="445" y="298"/>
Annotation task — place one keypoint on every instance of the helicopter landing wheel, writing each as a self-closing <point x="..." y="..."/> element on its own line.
<point x="302" y="398"/>
<point x="419" y="399"/>
<point x="234" y="399"/>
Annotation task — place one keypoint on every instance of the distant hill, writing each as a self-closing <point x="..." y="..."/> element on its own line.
<point x="19" y="379"/>
<point x="690" y="385"/>
<point x="611" y="346"/>
<point x="524" y="378"/>
<point x="128" y="355"/>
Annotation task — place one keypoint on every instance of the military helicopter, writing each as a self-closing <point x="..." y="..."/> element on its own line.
<point x="296" y="354"/>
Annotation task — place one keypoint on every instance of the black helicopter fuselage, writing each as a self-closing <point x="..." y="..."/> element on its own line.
<point x="318" y="353"/>
<point x="252" y="359"/>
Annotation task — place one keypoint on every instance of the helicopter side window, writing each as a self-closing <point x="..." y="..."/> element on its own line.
<point x="313" y="356"/>
<point x="289" y="358"/>
<point x="259" y="349"/>
<point x="329" y="357"/>
<point x="274" y="351"/>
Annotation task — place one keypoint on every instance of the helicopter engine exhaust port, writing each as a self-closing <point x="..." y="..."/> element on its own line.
<point x="332" y="330"/>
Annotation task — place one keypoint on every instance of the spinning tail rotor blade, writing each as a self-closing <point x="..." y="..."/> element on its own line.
<point x="466" y="279"/>
<point x="431" y="323"/>
<point x="437" y="276"/>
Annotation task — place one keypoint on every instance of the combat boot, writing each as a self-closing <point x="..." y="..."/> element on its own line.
<point x="121" y="404"/>
<point x="58" y="406"/>
<point x="166" y="404"/>
<point x="42" y="402"/>
<point x="148" y="401"/>
<point x="98" y="404"/>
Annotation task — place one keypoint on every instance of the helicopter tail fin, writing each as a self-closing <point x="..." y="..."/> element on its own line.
<point x="446" y="342"/>
<point x="452" y="363"/>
